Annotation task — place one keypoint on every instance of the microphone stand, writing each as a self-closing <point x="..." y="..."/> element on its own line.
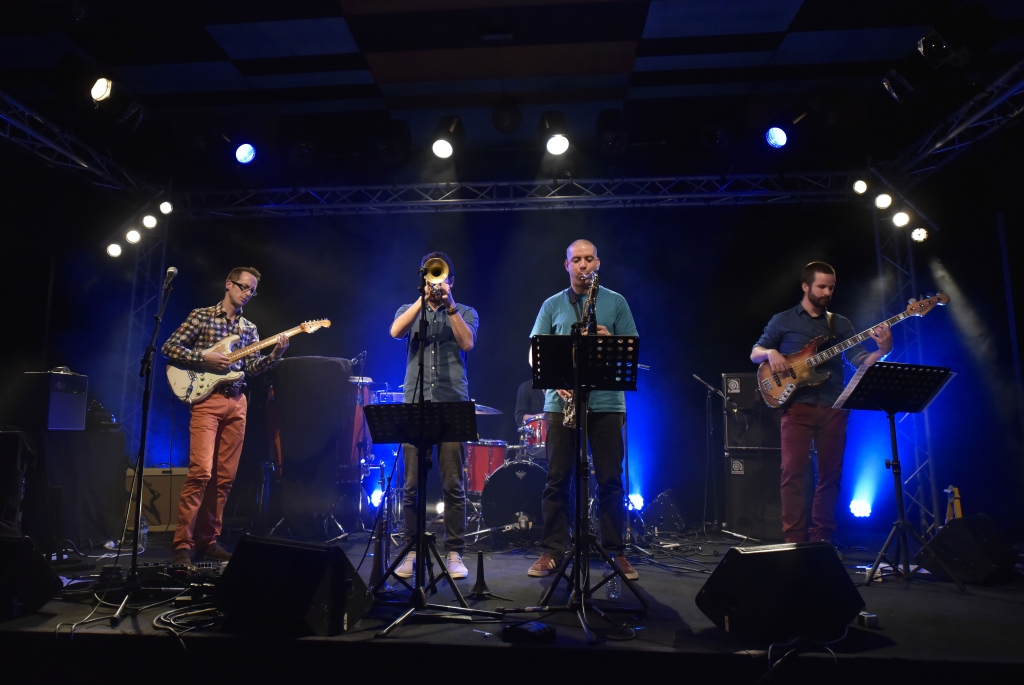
<point x="132" y="583"/>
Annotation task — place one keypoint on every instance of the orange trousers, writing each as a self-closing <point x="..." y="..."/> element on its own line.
<point x="217" y="429"/>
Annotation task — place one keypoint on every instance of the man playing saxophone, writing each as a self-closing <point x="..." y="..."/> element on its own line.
<point x="604" y="420"/>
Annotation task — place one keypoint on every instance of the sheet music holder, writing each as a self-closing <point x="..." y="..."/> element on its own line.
<point x="609" y="362"/>
<point x="444" y="422"/>
<point x="896" y="388"/>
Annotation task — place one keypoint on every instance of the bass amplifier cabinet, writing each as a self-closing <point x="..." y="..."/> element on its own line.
<point x="779" y="592"/>
<point x="754" y="425"/>
<point x="291" y="587"/>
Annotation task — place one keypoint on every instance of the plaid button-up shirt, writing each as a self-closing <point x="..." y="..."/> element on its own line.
<point x="203" y="329"/>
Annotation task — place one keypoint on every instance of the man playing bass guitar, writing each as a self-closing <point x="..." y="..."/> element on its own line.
<point x="809" y="413"/>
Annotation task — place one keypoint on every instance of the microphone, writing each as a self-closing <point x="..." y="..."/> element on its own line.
<point x="171" y="273"/>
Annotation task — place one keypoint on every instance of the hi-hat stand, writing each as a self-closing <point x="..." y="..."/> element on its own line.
<point x="895" y="388"/>
<point x="583" y="363"/>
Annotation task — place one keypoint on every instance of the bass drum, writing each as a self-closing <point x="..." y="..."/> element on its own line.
<point x="512" y="499"/>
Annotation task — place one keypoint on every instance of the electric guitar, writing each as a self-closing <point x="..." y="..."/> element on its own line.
<point x="192" y="386"/>
<point x="777" y="389"/>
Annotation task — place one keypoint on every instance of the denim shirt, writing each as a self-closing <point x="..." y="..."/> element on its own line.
<point x="790" y="330"/>
<point x="444" y="362"/>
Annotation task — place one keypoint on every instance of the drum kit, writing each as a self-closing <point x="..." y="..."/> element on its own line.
<point x="504" y="483"/>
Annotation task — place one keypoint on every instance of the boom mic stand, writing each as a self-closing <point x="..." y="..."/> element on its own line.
<point x="132" y="583"/>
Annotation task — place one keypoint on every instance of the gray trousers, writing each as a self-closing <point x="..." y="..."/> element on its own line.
<point x="450" y="459"/>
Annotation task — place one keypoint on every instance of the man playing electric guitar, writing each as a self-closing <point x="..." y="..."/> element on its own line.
<point x="809" y="413"/>
<point x="217" y="426"/>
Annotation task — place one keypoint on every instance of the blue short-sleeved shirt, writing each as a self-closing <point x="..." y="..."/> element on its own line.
<point x="790" y="330"/>
<point x="444" y="362"/>
<point x="556" y="317"/>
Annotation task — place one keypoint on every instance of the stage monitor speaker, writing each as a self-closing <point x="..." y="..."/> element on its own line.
<point x="27" y="582"/>
<point x="779" y="592"/>
<point x="291" y="587"/>
<point x="754" y="425"/>
<point x="973" y="550"/>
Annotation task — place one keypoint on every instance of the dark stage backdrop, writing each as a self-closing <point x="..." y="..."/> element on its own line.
<point x="701" y="282"/>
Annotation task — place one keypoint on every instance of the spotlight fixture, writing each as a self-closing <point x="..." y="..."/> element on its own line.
<point x="102" y="89"/>
<point x="245" y="153"/>
<point x="554" y="132"/>
<point x="860" y="508"/>
<point x="114" y="250"/>
<point x="506" y="117"/>
<point x="612" y="136"/>
<point x="919" y="235"/>
<point x="166" y="208"/>
<point x="636" y="501"/>
<point x="901" y="219"/>
<point x="439" y="507"/>
<point x="776" y="137"/>
<point x="860" y="187"/>
<point x="448" y="136"/>
<point x="149" y="221"/>
<point x="896" y="86"/>
<point x="375" y="497"/>
<point x="883" y="200"/>
<point x="133" y="236"/>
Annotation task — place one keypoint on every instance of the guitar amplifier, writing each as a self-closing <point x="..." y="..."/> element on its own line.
<point x="754" y="425"/>
<point x="53" y="401"/>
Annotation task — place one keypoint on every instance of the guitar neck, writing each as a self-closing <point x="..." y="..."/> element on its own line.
<point x="260" y="344"/>
<point x="824" y="356"/>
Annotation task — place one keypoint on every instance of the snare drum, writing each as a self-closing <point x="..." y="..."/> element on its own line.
<point x="535" y="432"/>
<point x="482" y="459"/>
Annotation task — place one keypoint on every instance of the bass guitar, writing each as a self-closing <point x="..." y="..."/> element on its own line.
<point x="777" y="389"/>
<point x="192" y="386"/>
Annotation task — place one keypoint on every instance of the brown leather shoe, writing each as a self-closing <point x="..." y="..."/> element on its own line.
<point x="182" y="557"/>
<point x="542" y="567"/>
<point x="215" y="552"/>
<point x="627" y="568"/>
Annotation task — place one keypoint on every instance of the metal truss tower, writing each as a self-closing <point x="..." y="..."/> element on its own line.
<point x="898" y="278"/>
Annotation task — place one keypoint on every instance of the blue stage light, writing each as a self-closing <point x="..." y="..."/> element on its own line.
<point x="375" y="497"/>
<point x="636" y="501"/>
<point x="776" y="137"/>
<point x="860" y="508"/>
<point x="245" y="153"/>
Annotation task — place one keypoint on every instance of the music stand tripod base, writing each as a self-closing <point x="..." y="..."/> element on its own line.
<point x="583" y="364"/>
<point x="897" y="388"/>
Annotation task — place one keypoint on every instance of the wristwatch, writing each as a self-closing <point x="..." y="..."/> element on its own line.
<point x="452" y="311"/>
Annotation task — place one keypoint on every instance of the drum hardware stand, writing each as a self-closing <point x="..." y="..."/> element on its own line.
<point x="133" y="582"/>
<point x="382" y="532"/>
<point x="897" y="388"/>
<point x="449" y="422"/>
<point x="564" y="360"/>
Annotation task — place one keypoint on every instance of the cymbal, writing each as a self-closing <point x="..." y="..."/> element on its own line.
<point x="487" y="411"/>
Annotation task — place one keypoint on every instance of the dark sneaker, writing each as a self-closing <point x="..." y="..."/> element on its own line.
<point x="181" y="557"/>
<point x="627" y="568"/>
<point x="542" y="567"/>
<point x="215" y="552"/>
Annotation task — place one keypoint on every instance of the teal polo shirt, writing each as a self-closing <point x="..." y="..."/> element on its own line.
<point x="556" y="317"/>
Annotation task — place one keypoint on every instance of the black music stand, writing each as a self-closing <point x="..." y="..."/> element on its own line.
<point x="894" y="388"/>
<point x="584" y="364"/>
<point x="424" y="424"/>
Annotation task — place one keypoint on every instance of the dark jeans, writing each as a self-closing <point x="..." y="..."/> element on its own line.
<point x="827" y="426"/>
<point x="450" y="458"/>
<point x="605" y="433"/>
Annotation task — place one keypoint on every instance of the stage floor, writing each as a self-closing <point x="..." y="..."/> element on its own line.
<point x="924" y="624"/>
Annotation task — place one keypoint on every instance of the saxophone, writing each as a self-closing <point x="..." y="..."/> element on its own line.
<point x="589" y="326"/>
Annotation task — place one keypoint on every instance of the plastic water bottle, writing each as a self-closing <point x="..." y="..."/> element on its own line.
<point x="143" y="535"/>
<point x="613" y="588"/>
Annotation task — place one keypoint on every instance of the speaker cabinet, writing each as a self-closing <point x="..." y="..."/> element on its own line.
<point x="292" y="587"/>
<point x="972" y="549"/>
<point x="778" y="592"/>
<point x="753" y="499"/>
<point x="753" y="425"/>
<point x="54" y="401"/>
<point x="161" y="489"/>
<point x="27" y="582"/>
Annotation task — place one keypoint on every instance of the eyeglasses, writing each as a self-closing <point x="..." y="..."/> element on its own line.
<point x="245" y="288"/>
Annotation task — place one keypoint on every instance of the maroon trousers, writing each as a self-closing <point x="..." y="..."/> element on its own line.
<point x="827" y="427"/>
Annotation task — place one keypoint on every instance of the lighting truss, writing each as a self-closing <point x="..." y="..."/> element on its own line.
<point x="898" y="278"/>
<point x="984" y="114"/>
<point x="733" y="189"/>
<point x="61" y="149"/>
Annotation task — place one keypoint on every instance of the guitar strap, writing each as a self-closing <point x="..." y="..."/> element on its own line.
<point x="831" y="324"/>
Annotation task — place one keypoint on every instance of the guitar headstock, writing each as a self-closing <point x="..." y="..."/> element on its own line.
<point x="925" y="305"/>
<point x="310" y="326"/>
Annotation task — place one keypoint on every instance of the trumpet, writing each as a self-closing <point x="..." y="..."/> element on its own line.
<point x="436" y="274"/>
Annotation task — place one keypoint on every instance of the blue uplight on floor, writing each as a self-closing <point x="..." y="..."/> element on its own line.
<point x="375" y="497"/>
<point x="636" y="501"/>
<point x="860" y="508"/>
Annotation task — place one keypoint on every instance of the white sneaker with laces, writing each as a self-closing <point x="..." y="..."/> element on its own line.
<point x="453" y="560"/>
<point x="408" y="566"/>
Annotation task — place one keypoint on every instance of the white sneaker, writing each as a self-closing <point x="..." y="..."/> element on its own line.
<point x="453" y="560"/>
<point x="408" y="566"/>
